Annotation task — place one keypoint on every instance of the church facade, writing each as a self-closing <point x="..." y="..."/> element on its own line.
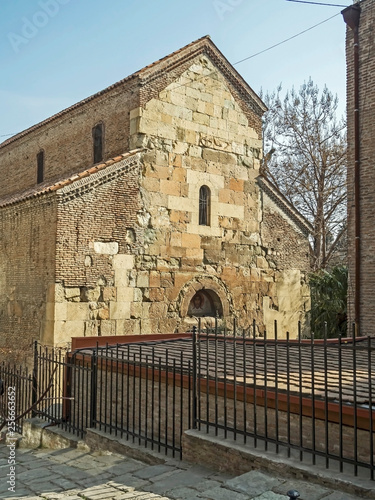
<point x="142" y="208"/>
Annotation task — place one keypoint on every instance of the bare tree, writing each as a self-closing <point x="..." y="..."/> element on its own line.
<point x="305" y="157"/>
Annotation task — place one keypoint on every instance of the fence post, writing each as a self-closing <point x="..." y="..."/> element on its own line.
<point x="194" y="374"/>
<point x="94" y="387"/>
<point x="34" y="395"/>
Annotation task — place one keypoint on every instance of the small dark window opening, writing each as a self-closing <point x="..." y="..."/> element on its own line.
<point x="97" y="134"/>
<point x="204" y="206"/>
<point x="40" y="167"/>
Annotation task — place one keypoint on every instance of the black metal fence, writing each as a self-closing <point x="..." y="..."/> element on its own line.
<point x="17" y="385"/>
<point x="313" y="400"/>
<point x="310" y="399"/>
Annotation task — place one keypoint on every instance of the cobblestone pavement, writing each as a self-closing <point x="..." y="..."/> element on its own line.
<point x="73" y="474"/>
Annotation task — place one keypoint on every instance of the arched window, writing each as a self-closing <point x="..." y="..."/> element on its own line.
<point x="204" y="206"/>
<point x="40" y="167"/>
<point x="97" y="135"/>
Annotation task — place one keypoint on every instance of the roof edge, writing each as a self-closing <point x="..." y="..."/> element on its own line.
<point x="288" y="207"/>
<point x="44" y="189"/>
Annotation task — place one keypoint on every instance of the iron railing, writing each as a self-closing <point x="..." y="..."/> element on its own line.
<point x="312" y="399"/>
<point x="309" y="399"/>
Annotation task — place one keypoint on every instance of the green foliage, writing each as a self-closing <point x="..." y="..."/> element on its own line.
<point x="328" y="301"/>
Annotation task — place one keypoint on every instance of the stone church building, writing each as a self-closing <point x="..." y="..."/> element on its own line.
<point x="142" y="207"/>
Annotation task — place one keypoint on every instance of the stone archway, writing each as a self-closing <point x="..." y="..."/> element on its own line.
<point x="204" y="297"/>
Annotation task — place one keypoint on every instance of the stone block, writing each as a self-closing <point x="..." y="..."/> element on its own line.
<point x="154" y="279"/>
<point x="175" y="239"/>
<point x="158" y="310"/>
<point x="236" y="184"/>
<point x="72" y="292"/>
<point x="157" y="294"/>
<point x="170" y="187"/>
<point x="121" y="278"/>
<point x="109" y="293"/>
<point x="166" y="280"/>
<point x="180" y="204"/>
<point x="190" y="240"/>
<point x="123" y="261"/>
<point x="61" y="311"/>
<point x="231" y="210"/>
<point x="179" y="174"/>
<point x="77" y="311"/>
<point x="135" y="310"/>
<point x="109" y="248"/>
<point x="143" y="280"/>
<point x="50" y="311"/>
<point x="194" y="253"/>
<point x="119" y="310"/>
<point x="107" y="327"/>
<point x="125" y="294"/>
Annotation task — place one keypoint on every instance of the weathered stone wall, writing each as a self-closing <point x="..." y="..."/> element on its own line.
<point x="367" y="172"/>
<point x="130" y="253"/>
<point x="27" y="254"/>
<point x="97" y="232"/>
<point x="199" y="135"/>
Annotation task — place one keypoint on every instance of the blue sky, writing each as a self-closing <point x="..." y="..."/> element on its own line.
<point x="54" y="53"/>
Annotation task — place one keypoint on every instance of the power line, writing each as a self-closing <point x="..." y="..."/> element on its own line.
<point x="286" y="40"/>
<point x="262" y="51"/>
<point x="317" y="3"/>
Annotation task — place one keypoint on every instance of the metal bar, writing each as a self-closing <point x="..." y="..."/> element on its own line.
<point x="133" y="399"/>
<point x="355" y="405"/>
<point x="94" y="388"/>
<point x="326" y="396"/>
<point x="313" y="420"/>
<point x="255" y="385"/>
<point x="207" y="384"/>
<point x="276" y="391"/>
<point x="127" y="391"/>
<point x="159" y="408"/>
<point x="166" y="398"/>
<point x="234" y="380"/>
<point x="182" y="403"/>
<point x="300" y="392"/>
<point x="225" y="385"/>
<point x="117" y="389"/>
<point x="244" y="374"/>
<point x="341" y="450"/>
<point x="122" y="393"/>
<point x="265" y="370"/>
<point x="174" y="408"/>
<point x="146" y="399"/>
<point x="370" y="403"/>
<point x="110" y="423"/>
<point x="194" y="377"/>
<point x="152" y="396"/>
<point x="216" y="381"/>
<point x="140" y="395"/>
<point x="288" y="391"/>
<point x="106" y="389"/>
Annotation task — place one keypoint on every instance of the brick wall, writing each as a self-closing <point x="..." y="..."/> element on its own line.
<point x="367" y="172"/>
<point x="27" y="271"/>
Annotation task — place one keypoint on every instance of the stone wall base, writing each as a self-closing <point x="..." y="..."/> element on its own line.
<point x="234" y="458"/>
<point x="201" y="449"/>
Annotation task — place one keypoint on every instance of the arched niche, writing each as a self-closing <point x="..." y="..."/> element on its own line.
<point x="204" y="297"/>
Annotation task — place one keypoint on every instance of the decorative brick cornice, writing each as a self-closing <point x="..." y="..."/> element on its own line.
<point x="80" y="182"/>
